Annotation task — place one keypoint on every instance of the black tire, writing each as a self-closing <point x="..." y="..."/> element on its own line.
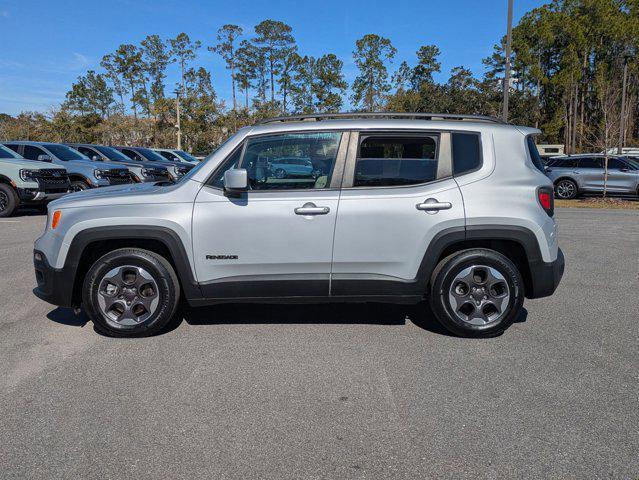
<point x="8" y="200"/>
<point x="78" y="186"/>
<point x="162" y="273"/>
<point x="442" y="282"/>
<point x="566" y="189"/>
<point x="280" y="173"/>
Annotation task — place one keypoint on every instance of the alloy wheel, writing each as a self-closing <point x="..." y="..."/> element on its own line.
<point x="566" y="189"/>
<point x="4" y="201"/>
<point x="479" y="295"/>
<point x="128" y="295"/>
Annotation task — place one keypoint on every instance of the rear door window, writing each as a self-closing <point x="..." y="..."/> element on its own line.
<point x="591" y="162"/>
<point x="395" y="160"/>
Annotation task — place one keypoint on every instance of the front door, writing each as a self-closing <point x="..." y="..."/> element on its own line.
<point x="399" y="193"/>
<point x="277" y="239"/>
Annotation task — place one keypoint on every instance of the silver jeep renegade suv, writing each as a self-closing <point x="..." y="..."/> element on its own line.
<point x="453" y="210"/>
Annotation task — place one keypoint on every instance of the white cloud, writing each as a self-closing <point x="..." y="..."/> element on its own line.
<point x="79" y="60"/>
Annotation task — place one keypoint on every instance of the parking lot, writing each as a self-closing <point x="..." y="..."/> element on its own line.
<point x="357" y="391"/>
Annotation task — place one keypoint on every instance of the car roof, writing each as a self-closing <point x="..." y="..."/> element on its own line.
<point x="386" y="124"/>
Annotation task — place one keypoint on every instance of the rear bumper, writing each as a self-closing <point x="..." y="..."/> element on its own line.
<point x="545" y="277"/>
<point x="54" y="286"/>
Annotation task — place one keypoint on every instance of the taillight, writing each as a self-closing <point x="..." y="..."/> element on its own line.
<point x="546" y="198"/>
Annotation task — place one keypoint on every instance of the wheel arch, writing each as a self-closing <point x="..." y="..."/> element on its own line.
<point x="518" y="244"/>
<point x="90" y="244"/>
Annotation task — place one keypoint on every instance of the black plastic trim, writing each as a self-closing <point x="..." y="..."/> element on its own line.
<point x="60" y="290"/>
<point x="267" y="286"/>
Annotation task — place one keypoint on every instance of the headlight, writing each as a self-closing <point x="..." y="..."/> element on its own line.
<point x="99" y="174"/>
<point x="145" y="172"/>
<point x="27" y="175"/>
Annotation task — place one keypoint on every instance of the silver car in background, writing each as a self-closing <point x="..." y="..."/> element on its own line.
<point x="175" y="155"/>
<point x="573" y="175"/>
<point x="141" y="171"/>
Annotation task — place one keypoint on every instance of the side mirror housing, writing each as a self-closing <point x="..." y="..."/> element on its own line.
<point x="235" y="181"/>
<point x="44" y="158"/>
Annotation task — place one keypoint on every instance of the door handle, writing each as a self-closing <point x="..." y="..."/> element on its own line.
<point x="311" y="209"/>
<point x="431" y="205"/>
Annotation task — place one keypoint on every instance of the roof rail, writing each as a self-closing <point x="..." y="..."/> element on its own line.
<point x="317" y="117"/>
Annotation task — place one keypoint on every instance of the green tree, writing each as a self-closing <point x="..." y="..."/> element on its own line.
<point x="274" y="38"/>
<point x="329" y="83"/>
<point x="247" y="57"/>
<point x="184" y="51"/>
<point x="90" y="94"/>
<point x="371" y="85"/>
<point x="128" y="62"/>
<point x="226" y="37"/>
<point x="156" y="59"/>
<point x="112" y="73"/>
<point x="427" y="64"/>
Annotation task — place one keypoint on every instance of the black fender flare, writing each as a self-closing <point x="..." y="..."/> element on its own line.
<point x="164" y="235"/>
<point x="450" y="236"/>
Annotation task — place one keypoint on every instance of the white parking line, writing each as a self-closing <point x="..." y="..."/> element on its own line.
<point x="9" y="221"/>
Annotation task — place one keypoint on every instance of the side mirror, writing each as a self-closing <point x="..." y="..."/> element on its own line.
<point x="95" y="158"/>
<point x="44" y="158"/>
<point x="235" y="181"/>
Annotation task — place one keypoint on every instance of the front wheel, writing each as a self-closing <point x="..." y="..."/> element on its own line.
<point x="131" y="292"/>
<point x="78" y="186"/>
<point x="476" y="293"/>
<point x="566" y="189"/>
<point x="8" y="200"/>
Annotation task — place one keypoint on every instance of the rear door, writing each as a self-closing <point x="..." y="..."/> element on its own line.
<point x="277" y="239"/>
<point x="621" y="178"/>
<point x="591" y="172"/>
<point x="398" y="193"/>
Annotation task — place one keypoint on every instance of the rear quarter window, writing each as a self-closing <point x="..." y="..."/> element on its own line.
<point x="534" y="154"/>
<point x="466" y="153"/>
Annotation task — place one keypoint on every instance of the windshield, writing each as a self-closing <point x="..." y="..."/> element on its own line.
<point x="112" y="154"/>
<point x="151" y="155"/>
<point x="186" y="156"/>
<point x="64" y="153"/>
<point x="7" y="153"/>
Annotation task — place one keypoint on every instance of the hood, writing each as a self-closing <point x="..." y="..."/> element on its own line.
<point x="92" y="164"/>
<point x="29" y="164"/>
<point x="129" y="194"/>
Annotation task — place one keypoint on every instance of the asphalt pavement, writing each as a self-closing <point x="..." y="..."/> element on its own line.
<point x="330" y="391"/>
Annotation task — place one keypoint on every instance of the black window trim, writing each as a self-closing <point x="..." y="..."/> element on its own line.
<point x="392" y="133"/>
<point x="352" y="156"/>
<point x="337" y="168"/>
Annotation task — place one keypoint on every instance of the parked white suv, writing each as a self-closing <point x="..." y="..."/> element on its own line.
<point x="400" y="208"/>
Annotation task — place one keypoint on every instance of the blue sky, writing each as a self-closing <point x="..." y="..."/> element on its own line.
<point x="45" y="45"/>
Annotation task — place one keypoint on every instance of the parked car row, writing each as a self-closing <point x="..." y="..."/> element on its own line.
<point x="573" y="175"/>
<point x="34" y="173"/>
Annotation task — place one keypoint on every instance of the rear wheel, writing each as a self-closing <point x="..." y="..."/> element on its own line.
<point x="566" y="189"/>
<point x="280" y="173"/>
<point x="476" y="293"/>
<point x="131" y="292"/>
<point x="8" y="200"/>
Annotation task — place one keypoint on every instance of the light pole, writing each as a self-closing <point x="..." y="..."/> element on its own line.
<point x="509" y="33"/>
<point x="177" y="110"/>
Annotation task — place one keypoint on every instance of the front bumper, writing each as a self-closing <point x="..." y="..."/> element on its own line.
<point x="54" y="286"/>
<point x="545" y="277"/>
<point x="28" y="195"/>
